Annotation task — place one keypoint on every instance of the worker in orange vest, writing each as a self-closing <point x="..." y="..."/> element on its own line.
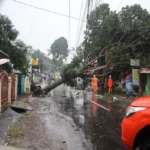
<point x="95" y="84"/>
<point x="110" y="84"/>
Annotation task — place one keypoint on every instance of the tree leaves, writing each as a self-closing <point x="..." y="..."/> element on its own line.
<point x="16" y="50"/>
<point x="59" y="48"/>
<point x="125" y="35"/>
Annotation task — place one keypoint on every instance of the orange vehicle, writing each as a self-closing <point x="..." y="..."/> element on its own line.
<point x="136" y="124"/>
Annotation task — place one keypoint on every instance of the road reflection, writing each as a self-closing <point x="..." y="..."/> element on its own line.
<point x="94" y="106"/>
<point x="100" y="126"/>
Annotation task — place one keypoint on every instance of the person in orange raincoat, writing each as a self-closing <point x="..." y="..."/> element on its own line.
<point x="95" y="84"/>
<point x="110" y="84"/>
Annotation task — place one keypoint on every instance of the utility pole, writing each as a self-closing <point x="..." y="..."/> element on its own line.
<point x="88" y="10"/>
<point x="69" y="23"/>
<point x="87" y="30"/>
<point x="41" y="65"/>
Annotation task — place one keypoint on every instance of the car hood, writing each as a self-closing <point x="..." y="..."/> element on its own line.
<point x="142" y="101"/>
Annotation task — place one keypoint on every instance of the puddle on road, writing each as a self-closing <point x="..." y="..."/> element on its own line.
<point x="100" y="126"/>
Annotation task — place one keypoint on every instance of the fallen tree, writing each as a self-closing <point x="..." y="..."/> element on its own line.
<point x="119" y="44"/>
<point x="48" y="88"/>
<point x="77" y="67"/>
<point x="73" y="70"/>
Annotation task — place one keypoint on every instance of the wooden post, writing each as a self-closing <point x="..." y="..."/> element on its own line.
<point x="16" y="86"/>
<point x="0" y="95"/>
<point x="9" y="89"/>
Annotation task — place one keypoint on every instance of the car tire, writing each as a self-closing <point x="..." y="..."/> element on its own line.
<point x="145" y="146"/>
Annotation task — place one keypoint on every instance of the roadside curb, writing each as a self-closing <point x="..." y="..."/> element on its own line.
<point x="10" y="148"/>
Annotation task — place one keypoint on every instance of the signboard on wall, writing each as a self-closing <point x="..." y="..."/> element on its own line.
<point x="135" y="62"/>
<point x="136" y="77"/>
<point x="129" y="87"/>
<point x="145" y="70"/>
<point x="35" y="62"/>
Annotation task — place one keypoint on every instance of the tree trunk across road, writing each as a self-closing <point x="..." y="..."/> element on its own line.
<point x="48" y="88"/>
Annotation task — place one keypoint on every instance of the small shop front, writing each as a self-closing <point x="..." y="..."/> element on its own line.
<point x="145" y="81"/>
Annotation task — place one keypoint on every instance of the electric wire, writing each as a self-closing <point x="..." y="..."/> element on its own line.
<point x="119" y="5"/>
<point x="52" y="64"/>
<point x="81" y="27"/>
<point x="47" y="10"/>
<point x="30" y="33"/>
<point x="78" y="24"/>
<point x="91" y="7"/>
<point x="88" y="9"/>
<point x="69" y="23"/>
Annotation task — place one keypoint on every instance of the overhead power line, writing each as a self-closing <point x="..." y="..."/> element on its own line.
<point x="69" y="23"/>
<point x="88" y="8"/>
<point x="30" y="33"/>
<point x="46" y="10"/>
<point x="52" y="64"/>
<point x="81" y="26"/>
<point x="120" y="4"/>
<point x="78" y="24"/>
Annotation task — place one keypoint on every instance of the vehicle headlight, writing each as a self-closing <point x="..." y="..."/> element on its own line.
<point x="132" y="109"/>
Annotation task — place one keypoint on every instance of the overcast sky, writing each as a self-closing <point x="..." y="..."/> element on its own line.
<point x="39" y="28"/>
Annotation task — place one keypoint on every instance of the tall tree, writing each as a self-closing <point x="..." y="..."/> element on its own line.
<point x="117" y="36"/>
<point x="16" y="49"/>
<point x="59" y="48"/>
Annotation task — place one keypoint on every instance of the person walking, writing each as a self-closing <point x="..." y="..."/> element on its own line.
<point x="48" y="80"/>
<point x="84" y="84"/>
<point x="95" y="83"/>
<point x="110" y="84"/>
<point x="102" y="84"/>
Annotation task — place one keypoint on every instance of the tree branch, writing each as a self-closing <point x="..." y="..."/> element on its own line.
<point x="103" y="50"/>
<point x="116" y="55"/>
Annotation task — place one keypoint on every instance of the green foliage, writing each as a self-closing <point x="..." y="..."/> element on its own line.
<point x="102" y="25"/>
<point x="15" y="132"/>
<point x="133" y="18"/>
<point x="106" y="27"/>
<point x="59" y="51"/>
<point x="72" y="70"/>
<point x="59" y="48"/>
<point x="16" y="50"/>
<point x="7" y="30"/>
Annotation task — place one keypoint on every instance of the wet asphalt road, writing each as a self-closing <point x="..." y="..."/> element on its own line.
<point x="98" y="119"/>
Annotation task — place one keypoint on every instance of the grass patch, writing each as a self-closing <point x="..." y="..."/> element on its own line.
<point x="17" y="145"/>
<point x="15" y="132"/>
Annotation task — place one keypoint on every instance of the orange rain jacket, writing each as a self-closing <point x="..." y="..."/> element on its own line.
<point x="110" y="83"/>
<point x="95" y="81"/>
